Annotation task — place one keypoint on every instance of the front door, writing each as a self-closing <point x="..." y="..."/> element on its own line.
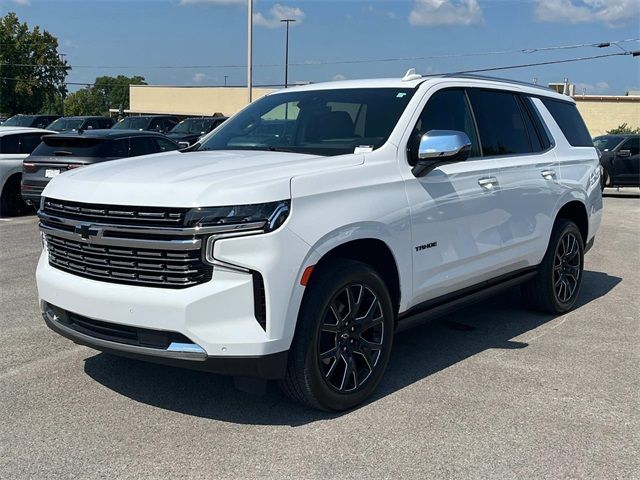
<point x="454" y="209"/>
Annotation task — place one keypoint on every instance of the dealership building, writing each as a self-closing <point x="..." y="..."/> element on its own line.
<point x="600" y="112"/>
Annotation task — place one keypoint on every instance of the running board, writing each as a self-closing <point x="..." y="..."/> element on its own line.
<point x="440" y="306"/>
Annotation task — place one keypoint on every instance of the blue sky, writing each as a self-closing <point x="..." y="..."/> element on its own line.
<point x="149" y="33"/>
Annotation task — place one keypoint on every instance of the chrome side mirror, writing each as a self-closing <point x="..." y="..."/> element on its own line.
<point x="440" y="147"/>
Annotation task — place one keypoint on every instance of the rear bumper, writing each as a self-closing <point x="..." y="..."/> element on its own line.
<point x="189" y="356"/>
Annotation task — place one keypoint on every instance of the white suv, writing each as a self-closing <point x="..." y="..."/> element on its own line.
<point x="293" y="241"/>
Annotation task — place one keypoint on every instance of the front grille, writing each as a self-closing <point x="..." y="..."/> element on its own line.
<point x="116" y="214"/>
<point x="131" y="266"/>
<point x="113" y="332"/>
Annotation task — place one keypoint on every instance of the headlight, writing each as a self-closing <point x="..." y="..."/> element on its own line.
<point x="260" y="216"/>
<point x="237" y="220"/>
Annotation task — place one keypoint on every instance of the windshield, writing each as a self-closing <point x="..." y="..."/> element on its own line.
<point x="66" y="124"/>
<point x="19" y="121"/>
<point x="606" y="142"/>
<point x="195" y="126"/>
<point x="318" y="122"/>
<point x="132" y="123"/>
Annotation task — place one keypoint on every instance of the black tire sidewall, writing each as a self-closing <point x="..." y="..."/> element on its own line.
<point x="333" y="280"/>
<point x="562" y="228"/>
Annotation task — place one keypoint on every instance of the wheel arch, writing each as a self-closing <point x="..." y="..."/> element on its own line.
<point x="576" y="211"/>
<point x="372" y="251"/>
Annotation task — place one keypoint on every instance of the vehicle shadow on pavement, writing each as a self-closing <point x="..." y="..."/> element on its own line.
<point x="417" y="354"/>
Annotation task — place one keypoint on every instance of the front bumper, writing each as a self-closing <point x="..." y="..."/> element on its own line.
<point x="190" y="356"/>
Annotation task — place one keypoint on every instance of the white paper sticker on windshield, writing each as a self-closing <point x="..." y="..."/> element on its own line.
<point x="363" y="149"/>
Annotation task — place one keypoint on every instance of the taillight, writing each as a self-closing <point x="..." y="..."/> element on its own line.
<point x="29" y="167"/>
<point x="71" y="166"/>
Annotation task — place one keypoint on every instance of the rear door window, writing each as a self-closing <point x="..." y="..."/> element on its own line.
<point x="29" y="141"/>
<point x="501" y="124"/>
<point x="9" y="144"/>
<point x="570" y="122"/>
<point x="142" y="146"/>
<point x="116" y="148"/>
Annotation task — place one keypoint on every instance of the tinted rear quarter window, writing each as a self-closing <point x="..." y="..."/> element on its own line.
<point x="570" y="122"/>
<point x="501" y="123"/>
<point x="9" y="144"/>
<point x="116" y="148"/>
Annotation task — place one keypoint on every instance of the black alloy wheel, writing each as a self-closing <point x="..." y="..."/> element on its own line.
<point x="351" y="338"/>
<point x="567" y="269"/>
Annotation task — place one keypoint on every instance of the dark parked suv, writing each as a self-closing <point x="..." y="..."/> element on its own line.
<point x="70" y="124"/>
<point x="34" y="121"/>
<point x="620" y="160"/>
<point x="190" y="130"/>
<point x="152" y="123"/>
<point x="59" y="153"/>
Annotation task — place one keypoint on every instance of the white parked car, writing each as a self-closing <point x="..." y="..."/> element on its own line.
<point x="294" y="240"/>
<point x="16" y="143"/>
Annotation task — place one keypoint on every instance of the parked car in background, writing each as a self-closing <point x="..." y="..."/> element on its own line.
<point x="298" y="237"/>
<point x="33" y="121"/>
<point x="152" y="123"/>
<point x="2" y="120"/>
<point x="189" y="130"/>
<point x="16" y="143"/>
<point x="70" y="124"/>
<point x="620" y="160"/>
<point x="67" y="151"/>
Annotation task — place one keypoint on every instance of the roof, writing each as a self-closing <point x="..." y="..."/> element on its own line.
<point x="414" y="81"/>
<point x="109" y="133"/>
<point x="10" y="130"/>
<point x="83" y="116"/>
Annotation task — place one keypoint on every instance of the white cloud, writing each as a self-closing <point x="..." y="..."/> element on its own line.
<point x="613" y="13"/>
<point x="199" y="77"/>
<point x="213" y="2"/>
<point x="277" y="13"/>
<point x="22" y="3"/>
<point x="431" y="13"/>
<point x="338" y="77"/>
<point x="591" y="89"/>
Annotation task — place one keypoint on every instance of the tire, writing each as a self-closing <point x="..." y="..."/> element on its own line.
<point x="556" y="286"/>
<point x="330" y="324"/>
<point x="11" y="202"/>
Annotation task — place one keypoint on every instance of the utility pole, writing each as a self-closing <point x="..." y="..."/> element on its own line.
<point x="250" y="50"/>
<point x="225" y="80"/>
<point x="286" y="51"/>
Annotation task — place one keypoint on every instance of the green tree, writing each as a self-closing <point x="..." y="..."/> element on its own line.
<point x="623" y="129"/>
<point x="32" y="72"/>
<point x="106" y="92"/>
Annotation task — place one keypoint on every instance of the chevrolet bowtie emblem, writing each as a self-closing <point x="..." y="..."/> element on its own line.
<point x="85" y="231"/>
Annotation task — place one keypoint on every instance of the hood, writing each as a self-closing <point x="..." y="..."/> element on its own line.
<point x="195" y="179"/>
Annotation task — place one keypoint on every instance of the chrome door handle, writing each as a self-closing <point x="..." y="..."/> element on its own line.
<point x="548" y="174"/>
<point x="488" y="183"/>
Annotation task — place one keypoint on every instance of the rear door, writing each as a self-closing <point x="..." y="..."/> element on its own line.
<point x="512" y="134"/>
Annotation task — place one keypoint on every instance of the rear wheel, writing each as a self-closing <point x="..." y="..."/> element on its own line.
<point x="556" y="286"/>
<point x="343" y="339"/>
<point x="11" y="202"/>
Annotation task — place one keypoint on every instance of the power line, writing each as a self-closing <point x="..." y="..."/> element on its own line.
<point x="347" y="62"/>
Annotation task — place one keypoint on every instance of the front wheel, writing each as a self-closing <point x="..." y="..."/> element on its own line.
<point x="343" y="338"/>
<point x="555" y="288"/>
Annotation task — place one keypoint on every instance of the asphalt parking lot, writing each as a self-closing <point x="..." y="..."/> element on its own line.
<point x="491" y="391"/>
